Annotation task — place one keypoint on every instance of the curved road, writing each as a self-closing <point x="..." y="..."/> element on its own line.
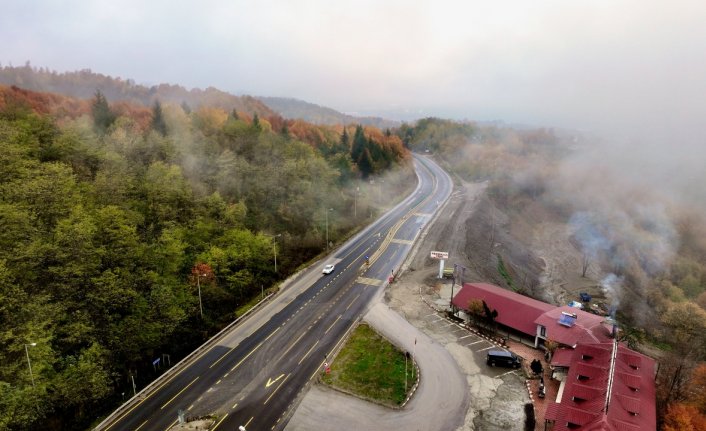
<point x="252" y="375"/>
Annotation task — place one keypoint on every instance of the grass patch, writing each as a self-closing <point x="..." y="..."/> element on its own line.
<point x="373" y="368"/>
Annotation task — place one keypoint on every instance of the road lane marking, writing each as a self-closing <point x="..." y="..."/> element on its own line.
<point x="273" y="392"/>
<point x="293" y="344"/>
<point x="349" y="305"/>
<point x="307" y="353"/>
<point x="171" y="425"/>
<point x="402" y="241"/>
<point x="487" y="348"/>
<point x="143" y="424"/>
<point x="248" y="422"/>
<point x="234" y="405"/>
<point x="247" y="356"/>
<point x="334" y="322"/>
<point x="503" y="374"/>
<point x="219" y="422"/>
<point x="271" y="382"/>
<point x="190" y="407"/>
<point x="475" y="342"/>
<point x="370" y="281"/>
<point x="178" y="393"/>
<point x="466" y="336"/>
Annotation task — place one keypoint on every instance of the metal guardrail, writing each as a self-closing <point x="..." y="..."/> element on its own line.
<point x="173" y="371"/>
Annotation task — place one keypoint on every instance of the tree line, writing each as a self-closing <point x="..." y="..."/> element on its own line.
<point x="112" y="217"/>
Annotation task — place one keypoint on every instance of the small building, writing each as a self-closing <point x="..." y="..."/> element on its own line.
<point x="514" y="310"/>
<point x="536" y="319"/>
<point x="604" y="384"/>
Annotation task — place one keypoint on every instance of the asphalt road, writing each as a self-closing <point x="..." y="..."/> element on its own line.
<point x="252" y="375"/>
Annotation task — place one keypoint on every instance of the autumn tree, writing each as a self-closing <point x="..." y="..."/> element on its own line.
<point x="686" y="326"/>
<point x="683" y="417"/>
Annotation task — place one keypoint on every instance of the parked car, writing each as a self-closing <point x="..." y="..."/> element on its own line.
<point x="503" y="358"/>
<point x="585" y="297"/>
<point x="328" y="269"/>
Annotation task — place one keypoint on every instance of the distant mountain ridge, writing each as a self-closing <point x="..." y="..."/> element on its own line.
<point x="84" y="83"/>
<point x="296" y="109"/>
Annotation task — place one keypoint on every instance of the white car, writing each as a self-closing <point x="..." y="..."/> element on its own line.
<point x="328" y="269"/>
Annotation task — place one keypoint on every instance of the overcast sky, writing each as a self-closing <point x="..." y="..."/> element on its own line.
<point x="634" y="67"/>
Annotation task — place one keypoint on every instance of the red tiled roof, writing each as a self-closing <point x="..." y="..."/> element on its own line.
<point x="552" y="412"/>
<point x="514" y="310"/>
<point x="562" y="357"/>
<point x="586" y="402"/>
<point x="588" y="327"/>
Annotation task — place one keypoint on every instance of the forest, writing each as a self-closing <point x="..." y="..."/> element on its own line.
<point x="652" y="244"/>
<point x="113" y="214"/>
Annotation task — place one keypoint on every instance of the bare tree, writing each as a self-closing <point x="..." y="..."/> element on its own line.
<point x="585" y="263"/>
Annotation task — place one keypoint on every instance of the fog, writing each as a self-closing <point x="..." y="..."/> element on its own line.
<point x="630" y="69"/>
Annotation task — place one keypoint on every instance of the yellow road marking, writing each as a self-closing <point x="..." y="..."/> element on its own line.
<point x="171" y="425"/>
<point x="402" y="241"/>
<point x="271" y="382"/>
<point x="248" y="422"/>
<point x="219" y="422"/>
<point x="143" y="424"/>
<point x="234" y="405"/>
<point x="334" y="322"/>
<point x="247" y="356"/>
<point x="370" y="281"/>
<point x="178" y="393"/>
<point x="273" y="392"/>
<point x="307" y="353"/>
<point x="349" y="305"/>
<point x="295" y="343"/>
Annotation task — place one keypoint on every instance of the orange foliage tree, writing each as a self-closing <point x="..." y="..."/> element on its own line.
<point x="683" y="417"/>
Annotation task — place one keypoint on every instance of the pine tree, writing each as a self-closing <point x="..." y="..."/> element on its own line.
<point x="103" y="117"/>
<point x="256" y="121"/>
<point x="158" y="123"/>
<point x="345" y="140"/>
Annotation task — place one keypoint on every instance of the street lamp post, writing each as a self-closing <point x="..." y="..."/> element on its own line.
<point x="29" y="363"/>
<point x="198" y="283"/>
<point x="329" y="209"/>
<point x="274" y="247"/>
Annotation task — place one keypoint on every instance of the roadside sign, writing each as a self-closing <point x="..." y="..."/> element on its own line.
<point x="440" y="255"/>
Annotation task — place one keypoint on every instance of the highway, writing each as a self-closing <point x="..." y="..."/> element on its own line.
<point x="253" y="375"/>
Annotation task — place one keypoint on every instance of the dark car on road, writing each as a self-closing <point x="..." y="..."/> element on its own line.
<point x="503" y="358"/>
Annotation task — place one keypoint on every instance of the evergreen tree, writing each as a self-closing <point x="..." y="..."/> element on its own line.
<point x="359" y="143"/>
<point x="345" y="140"/>
<point x="158" y="123"/>
<point x="256" y="121"/>
<point x="234" y="114"/>
<point x="103" y="117"/>
<point x="185" y="107"/>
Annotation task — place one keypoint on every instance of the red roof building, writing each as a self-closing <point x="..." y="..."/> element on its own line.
<point x="569" y="326"/>
<point x="609" y="387"/>
<point x="514" y="310"/>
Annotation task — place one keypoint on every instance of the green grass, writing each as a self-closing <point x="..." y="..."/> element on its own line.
<point x="371" y="367"/>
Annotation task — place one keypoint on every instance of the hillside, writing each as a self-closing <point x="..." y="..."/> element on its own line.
<point x="551" y="224"/>
<point x="299" y="109"/>
<point x="112" y="213"/>
<point x="84" y="83"/>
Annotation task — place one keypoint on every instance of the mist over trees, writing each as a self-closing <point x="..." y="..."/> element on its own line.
<point x="112" y="215"/>
<point x="643" y="243"/>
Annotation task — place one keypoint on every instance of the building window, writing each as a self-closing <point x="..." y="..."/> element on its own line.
<point x="542" y="331"/>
